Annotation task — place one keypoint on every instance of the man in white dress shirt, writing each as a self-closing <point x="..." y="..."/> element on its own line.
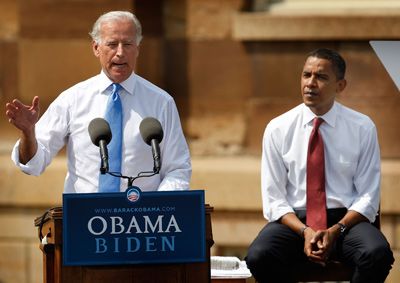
<point x="352" y="184"/>
<point x="116" y="37"/>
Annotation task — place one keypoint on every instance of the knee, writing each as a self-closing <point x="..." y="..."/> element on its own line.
<point x="380" y="257"/>
<point x="253" y="258"/>
<point x="256" y="261"/>
<point x="258" y="258"/>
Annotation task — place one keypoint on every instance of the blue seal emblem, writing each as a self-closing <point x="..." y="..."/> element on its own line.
<point x="133" y="194"/>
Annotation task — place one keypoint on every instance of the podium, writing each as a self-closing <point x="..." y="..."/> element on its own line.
<point x="50" y="227"/>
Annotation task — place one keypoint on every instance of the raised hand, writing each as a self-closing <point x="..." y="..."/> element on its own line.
<point x="23" y="117"/>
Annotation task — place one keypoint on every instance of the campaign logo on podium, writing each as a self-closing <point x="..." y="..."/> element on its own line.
<point x="133" y="194"/>
<point x="134" y="227"/>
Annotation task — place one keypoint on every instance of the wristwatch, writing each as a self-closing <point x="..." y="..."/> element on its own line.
<point x="343" y="228"/>
<point x="302" y="230"/>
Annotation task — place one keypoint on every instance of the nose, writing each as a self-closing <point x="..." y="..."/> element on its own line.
<point x="311" y="81"/>
<point x="120" y="50"/>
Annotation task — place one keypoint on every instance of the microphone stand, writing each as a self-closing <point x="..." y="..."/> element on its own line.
<point x="131" y="179"/>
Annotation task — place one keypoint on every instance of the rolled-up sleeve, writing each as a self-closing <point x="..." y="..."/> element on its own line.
<point x="50" y="132"/>
<point x="273" y="177"/>
<point x="32" y="167"/>
<point x="176" y="167"/>
<point x="368" y="176"/>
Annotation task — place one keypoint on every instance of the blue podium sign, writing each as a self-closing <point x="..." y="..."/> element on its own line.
<point x="134" y="227"/>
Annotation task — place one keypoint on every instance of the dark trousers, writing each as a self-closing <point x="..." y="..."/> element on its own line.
<point x="277" y="249"/>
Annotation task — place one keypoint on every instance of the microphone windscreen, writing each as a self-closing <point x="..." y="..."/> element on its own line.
<point x="99" y="129"/>
<point x="150" y="129"/>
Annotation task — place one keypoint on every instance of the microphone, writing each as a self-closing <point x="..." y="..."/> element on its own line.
<point x="152" y="133"/>
<point x="100" y="134"/>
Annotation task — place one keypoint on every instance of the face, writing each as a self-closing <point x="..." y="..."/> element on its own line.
<point x="117" y="51"/>
<point x="319" y="85"/>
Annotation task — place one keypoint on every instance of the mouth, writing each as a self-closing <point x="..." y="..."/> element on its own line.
<point x="118" y="65"/>
<point x="310" y="93"/>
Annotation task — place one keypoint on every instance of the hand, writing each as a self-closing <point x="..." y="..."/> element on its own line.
<point x="23" y="117"/>
<point x="311" y="246"/>
<point x="318" y="245"/>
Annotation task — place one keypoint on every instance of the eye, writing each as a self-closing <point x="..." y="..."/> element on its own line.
<point x="322" y="77"/>
<point x="112" y="44"/>
<point x="128" y="44"/>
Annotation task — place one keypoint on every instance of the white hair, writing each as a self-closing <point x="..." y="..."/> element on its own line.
<point x="116" y="16"/>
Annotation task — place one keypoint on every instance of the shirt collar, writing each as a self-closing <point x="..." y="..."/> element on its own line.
<point x="128" y="85"/>
<point x="329" y="117"/>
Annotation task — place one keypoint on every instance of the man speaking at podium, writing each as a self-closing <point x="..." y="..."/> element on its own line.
<point x="117" y="89"/>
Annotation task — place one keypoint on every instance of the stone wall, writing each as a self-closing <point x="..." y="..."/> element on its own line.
<point x="230" y="70"/>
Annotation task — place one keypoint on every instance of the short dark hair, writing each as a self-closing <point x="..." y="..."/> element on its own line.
<point x="338" y="63"/>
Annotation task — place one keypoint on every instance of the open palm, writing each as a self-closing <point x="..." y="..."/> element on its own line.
<point x="22" y="116"/>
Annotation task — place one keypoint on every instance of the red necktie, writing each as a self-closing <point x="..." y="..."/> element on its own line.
<point x="316" y="198"/>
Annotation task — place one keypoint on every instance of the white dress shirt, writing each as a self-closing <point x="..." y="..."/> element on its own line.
<point x="352" y="161"/>
<point x="66" y="123"/>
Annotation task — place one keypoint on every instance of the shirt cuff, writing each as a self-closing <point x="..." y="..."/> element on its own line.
<point x="32" y="167"/>
<point x="173" y="184"/>
<point x="276" y="213"/>
<point x="366" y="210"/>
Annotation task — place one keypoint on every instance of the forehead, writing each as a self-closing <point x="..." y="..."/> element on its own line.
<point x="320" y="65"/>
<point x="117" y="28"/>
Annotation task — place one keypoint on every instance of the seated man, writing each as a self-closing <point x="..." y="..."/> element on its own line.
<point x="320" y="183"/>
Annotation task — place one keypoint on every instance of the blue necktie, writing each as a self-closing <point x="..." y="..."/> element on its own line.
<point x="108" y="183"/>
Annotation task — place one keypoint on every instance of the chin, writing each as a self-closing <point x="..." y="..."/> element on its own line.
<point x="308" y="102"/>
<point x="118" y="78"/>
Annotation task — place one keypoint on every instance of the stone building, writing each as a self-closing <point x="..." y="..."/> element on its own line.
<point x="231" y="65"/>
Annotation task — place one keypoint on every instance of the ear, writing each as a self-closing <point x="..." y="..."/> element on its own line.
<point x="95" y="48"/>
<point x="341" y="85"/>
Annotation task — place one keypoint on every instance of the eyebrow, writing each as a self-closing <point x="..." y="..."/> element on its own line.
<point x="118" y="41"/>
<point x="318" y="73"/>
